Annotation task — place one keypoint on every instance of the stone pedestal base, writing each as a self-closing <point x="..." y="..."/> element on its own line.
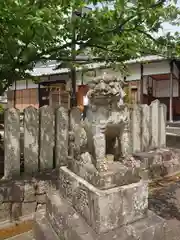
<point x="62" y="222"/>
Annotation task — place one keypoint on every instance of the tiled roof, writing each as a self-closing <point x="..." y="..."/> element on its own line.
<point x="150" y="58"/>
<point x="50" y="67"/>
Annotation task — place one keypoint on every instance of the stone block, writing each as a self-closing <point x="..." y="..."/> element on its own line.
<point x="104" y="209"/>
<point x="41" y="198"/>
<point x="40" y="207"/>
<point x="160" y="162"/>
<point x="29" y="192"/>
<point x="5" y="210"/>
<point x="123" y="205"/>
<point x="42" y="230"/>
<point x="57" y="222"/>
<point x="16" y="211"/>
<point x="67" y="224"/>
<point x="5" y="192"/>
<point x="17" y="191"/>
<point x="117" y="174"/>
<point x="28" y="208"/>
<point x="172" y="140"/>
<point x="110" y="211"/>
<point x="42" y="186"/>
<point x="61" y="216"/>
<point x="134" y="201"/>
<point x="153" y="227"/>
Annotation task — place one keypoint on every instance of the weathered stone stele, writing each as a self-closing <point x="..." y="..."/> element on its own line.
<point x="155" y="124"/>
<point x="46" y="137"/>
<point x="12" y="143"/>
<point x="101" y="196"/>
<point x="162" y="112"/>
<point x="61" y="141"/>
<point x="31" y="138"/>
<point x="145" y="127"/>
<point x="136" y="128"/>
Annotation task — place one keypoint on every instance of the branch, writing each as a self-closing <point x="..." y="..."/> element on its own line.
<point x="5" y="44"/>
<point x="120" y="27"/>
<point x="158" y="4"/>
<point x="27" y="43"/>
<point x="147" y="34"/>
<point x="39" y="56"/>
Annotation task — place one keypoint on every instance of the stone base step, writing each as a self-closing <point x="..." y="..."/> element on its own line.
<point x="160" y="162"/>
<point x="173" y="124"/>
<point x="173" y="129"/>
<point x="173" y="140"/>
<point x="42" y="229"/>
<point x="61" y="221"/>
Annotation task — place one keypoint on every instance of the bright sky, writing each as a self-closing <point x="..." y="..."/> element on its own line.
<point x="170" y="28"/>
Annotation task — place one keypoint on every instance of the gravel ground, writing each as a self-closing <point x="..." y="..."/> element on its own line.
<point x="165" y="202"/>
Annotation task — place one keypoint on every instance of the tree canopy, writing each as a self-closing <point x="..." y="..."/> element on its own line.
<point x="113" y="31"/>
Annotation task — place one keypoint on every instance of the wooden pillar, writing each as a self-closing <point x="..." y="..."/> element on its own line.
<point x="39" y="94"/>
<point x="171" y="93"/>
<point x="141" y="84"/>
<point x="26" y="83"/>
<point x="15" y="85"/>
<point x="179" y="85"/>
<point x="148" y="90"/>
<point x="82" y="78"/>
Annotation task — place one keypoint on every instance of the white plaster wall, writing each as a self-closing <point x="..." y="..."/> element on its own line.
<point x="59" y="77"/>
<point x="155" y="68"/>
<point x="134" y="72"/>
<point x="162" y="88"/>
<point x="22" y="85"/>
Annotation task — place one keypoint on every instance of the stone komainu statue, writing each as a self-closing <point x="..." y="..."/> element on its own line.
<point x="101" y="141"/>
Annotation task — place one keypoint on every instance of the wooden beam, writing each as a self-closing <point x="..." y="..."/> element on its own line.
<point x="171" y="93"/>
<point x="15" y="85"/>
<point x="39" y="94"/>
